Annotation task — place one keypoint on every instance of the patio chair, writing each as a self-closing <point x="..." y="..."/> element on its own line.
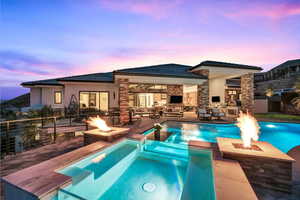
<point x="216" y="113"/>
<point x="202" y="114"/>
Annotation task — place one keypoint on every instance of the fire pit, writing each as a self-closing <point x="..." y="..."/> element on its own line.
<point x="263" y="164"/>
<point x="103" y="132"/>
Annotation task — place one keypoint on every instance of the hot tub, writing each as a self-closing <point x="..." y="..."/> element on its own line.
<point x="131" y="170"/>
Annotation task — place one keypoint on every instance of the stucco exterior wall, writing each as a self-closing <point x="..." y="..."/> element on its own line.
<point x="48" y="96"/>
<point x="73" y="88"/>
<point x="35" y="96"/>
<point x="217" y="88"/>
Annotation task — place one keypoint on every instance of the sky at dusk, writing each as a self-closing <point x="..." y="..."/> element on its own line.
<point x="42" y="39"/>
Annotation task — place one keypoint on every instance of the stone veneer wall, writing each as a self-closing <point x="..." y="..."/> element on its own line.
<point x="247" y="91"/>
<point x="124" y="100"/>
<point x="174" y="90"/>
<point x="203" y="89"/>
<point x="265" y="172"/>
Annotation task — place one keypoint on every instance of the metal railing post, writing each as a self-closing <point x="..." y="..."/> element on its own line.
<point x="7" y="138"/>
<point x="54" y="129"/>
<point x="86" y="123"/>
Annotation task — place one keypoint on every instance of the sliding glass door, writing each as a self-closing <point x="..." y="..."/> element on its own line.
<point x="104" y="98"/>
<point x="94" y="100"/>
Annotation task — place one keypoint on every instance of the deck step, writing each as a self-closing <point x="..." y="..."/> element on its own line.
<point x="177" y="151"/>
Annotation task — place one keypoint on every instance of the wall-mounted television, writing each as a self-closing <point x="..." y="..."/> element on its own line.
<point x="215" y="99"/>
<point x="175" y="99"/>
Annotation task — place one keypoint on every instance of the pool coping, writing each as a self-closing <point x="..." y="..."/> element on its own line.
<point x="229" y="121"/>
<point x="42" y="179"/>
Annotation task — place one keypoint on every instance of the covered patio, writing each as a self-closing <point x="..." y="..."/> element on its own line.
<point x="148" y="95"/>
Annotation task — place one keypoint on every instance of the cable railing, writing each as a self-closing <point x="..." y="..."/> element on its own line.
<point x="25" y="134"/>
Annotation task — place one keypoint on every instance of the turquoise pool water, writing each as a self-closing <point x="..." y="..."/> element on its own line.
<point x="284" y="136"/>
<point x="130" y="170"/>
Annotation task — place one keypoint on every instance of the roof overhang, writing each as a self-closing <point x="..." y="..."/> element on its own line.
<point x="83" y="81"/>
<point x="41" y="85"/>
<point x="69" y="82"/>
<point x="225" y="72"/>
<point x="160" y="79"/>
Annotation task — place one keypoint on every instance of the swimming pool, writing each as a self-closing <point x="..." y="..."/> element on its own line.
<point x="284" y="136"/>
<point x="130" y="170"/>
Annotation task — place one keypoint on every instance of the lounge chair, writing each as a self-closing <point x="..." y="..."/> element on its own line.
<point x="202" y="114"/>
<point x="216" y="113"/>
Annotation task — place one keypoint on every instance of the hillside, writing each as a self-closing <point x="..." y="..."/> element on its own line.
<point x="19" y="102"/>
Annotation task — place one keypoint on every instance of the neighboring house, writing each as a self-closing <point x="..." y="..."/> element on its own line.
<point x="167" y="85"/>
<point x="281" y="80"/>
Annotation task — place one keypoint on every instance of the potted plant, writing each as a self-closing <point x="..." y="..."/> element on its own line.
<point x="157" y="127"/>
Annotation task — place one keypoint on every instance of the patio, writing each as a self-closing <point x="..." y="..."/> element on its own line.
<point x="29" y="158"/>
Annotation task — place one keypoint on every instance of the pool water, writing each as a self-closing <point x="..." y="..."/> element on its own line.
<point x="284" y="136"/>
<point x="130" y="170"/>
<point x="164" y="180"/>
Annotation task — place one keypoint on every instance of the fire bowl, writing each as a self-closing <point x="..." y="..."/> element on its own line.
<point x="95" y="135"/>
<point x="253" y="147"/>
<point x="263" y="164"/>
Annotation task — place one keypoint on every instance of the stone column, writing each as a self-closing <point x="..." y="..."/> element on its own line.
<point x="247" y="91"/>
<point x="203" y="90"/>
<point x="124" y="100"/>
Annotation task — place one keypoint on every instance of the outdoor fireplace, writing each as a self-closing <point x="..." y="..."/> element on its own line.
<point x="261" y="161"/>
<point x="102" y="132"/>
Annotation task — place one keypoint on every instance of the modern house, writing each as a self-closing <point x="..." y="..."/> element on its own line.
<point x="172" y="86"/>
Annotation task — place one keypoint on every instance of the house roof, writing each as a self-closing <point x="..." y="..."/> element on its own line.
<point x="42" y="82"/>
<point x="170" y="70"/>
<point x="166" y="70"/>
<point x="96" y="77"/>
<point x="287" y="63"/>
<point x="226" y="65"/>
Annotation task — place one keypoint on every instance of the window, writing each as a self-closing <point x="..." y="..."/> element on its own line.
<point x="94" y="100"/>
<point x="58" y="97"/>
<point x="145" y="100"/>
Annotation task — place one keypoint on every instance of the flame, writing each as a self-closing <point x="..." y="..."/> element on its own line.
<point x="249" y="128"/>
<point x="99" y="123"/>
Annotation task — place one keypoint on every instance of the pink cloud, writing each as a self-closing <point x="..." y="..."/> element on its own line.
<point x="272" y="11"/>
<point x="154" y="8"/>
<point x="266" y="54"/>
